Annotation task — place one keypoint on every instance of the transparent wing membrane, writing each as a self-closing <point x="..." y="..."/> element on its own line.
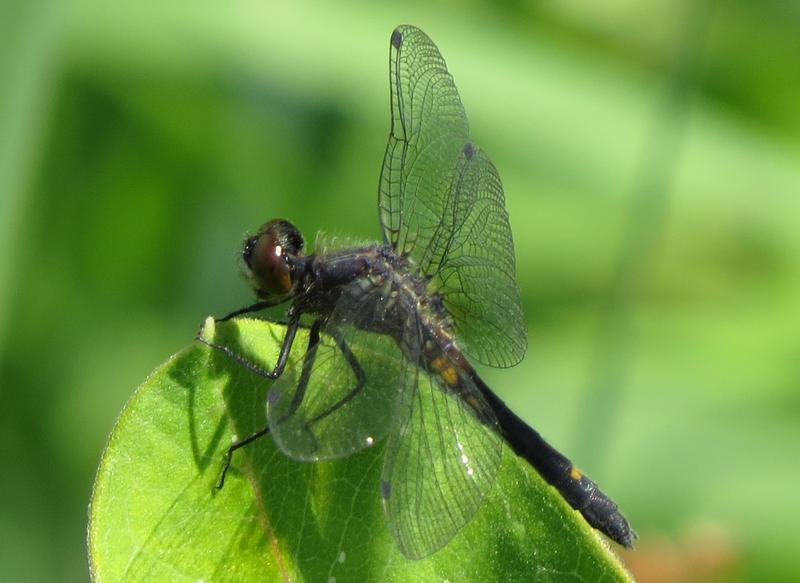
<point x="476" y="274"/>
<point x="441" y="202"/>
<point x="343" y="395"/>
<point x="429" y="129"/>
<point x="439" y="465"/>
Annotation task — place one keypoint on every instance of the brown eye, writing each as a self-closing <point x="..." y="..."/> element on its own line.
<point x="267" y="257"/>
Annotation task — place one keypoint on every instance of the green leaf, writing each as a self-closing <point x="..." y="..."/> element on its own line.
<point x="156" y="516"/>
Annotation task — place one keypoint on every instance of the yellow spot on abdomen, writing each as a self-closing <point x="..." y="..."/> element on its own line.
<point x="575" y="473"/>
<point x="438" y="364"/>
<point x="449" y="376"/>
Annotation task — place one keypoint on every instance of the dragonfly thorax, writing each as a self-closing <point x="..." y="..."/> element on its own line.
<point x="382" y="288"/>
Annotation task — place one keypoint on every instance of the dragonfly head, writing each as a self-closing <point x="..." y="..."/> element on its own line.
<point x="273" y="258"/>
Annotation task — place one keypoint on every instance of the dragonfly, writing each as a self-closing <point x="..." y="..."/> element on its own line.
<point x="394" y="326"/>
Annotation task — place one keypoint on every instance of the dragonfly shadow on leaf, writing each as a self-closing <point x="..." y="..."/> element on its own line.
<point x="315" y="512"/>
<point x="203" y="448"/>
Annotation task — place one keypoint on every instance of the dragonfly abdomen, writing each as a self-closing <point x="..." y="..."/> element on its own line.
<point x="582" y="493"/>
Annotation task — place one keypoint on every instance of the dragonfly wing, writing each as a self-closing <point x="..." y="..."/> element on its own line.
<point x="475" y="273"/>
<point x="342" y="395"/>
<point x="429" y="128"/>
<point x="440" y="463"/>
<point x="442" y="203"/>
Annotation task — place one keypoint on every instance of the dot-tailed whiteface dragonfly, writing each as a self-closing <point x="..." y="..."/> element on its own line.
<point x="393" y="325"/>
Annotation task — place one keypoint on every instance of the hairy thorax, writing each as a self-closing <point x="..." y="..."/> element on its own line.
<point x="384" y="292"/>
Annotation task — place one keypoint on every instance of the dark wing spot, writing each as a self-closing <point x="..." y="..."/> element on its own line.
<point x="469" y="151"/>
<point x="386" y="489"/>
<point x="274" y="396"/>
<point x="397" y="38"/>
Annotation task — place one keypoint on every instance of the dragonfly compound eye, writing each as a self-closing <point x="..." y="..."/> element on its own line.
<point x="267" y="257"/>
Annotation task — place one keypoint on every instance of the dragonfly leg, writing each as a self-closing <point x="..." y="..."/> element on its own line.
<point x="286" y="347"/>
<point x="229" y="454"/>
<point x="308" y="364"/>
<point x="283" y="357"/>
<point x="360" y="380"/>
<point x="305" y="375"/>
<point x="257" y="307"/>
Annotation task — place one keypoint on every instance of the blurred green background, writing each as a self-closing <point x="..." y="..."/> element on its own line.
<point x="651" y="159"/>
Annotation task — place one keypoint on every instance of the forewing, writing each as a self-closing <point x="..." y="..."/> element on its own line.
<point x="442" y="203"/>
<point x="440" y="463"/>
<point x="429" y="128"/>
<point x="342" y="396"/>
